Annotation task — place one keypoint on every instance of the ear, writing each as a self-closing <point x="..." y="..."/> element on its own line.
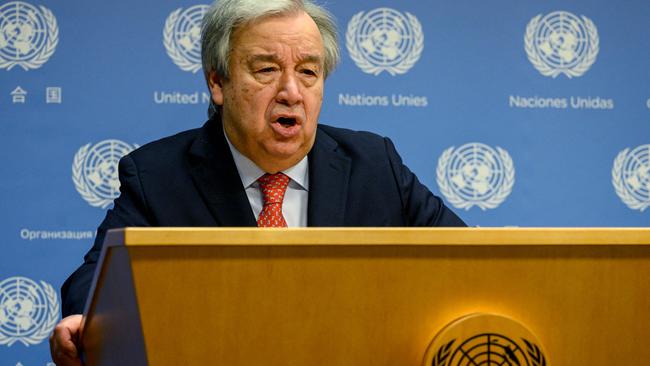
<point x="216" y="88"/>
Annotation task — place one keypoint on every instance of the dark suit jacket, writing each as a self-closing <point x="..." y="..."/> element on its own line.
<point x="190" y="179"/>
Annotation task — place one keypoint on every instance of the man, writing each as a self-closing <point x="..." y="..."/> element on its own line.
<point x="261" y="159"/>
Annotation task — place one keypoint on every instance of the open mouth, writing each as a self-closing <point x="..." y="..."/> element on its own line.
<point x="287" y="121"/>
<point x="287" y="126"/>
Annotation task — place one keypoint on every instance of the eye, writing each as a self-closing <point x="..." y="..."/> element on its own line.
<point x="266" y="70"/>
<point x="309" y="72"/>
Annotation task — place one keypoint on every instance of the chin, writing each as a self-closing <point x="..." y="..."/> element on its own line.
<point x="287" y="152"/>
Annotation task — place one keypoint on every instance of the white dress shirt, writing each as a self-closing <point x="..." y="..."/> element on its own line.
<point x="294" y="206"/>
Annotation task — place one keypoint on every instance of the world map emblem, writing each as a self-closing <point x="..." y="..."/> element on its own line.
<point x="631" y="177"/>
<point x="28" y="311"/>
<point x="28" y="35"/>
<point x="561" y="43"/>
<point x="485" y="339"/>
<point x="475" y="174"/>
<point x="384" y="39"/>
<point x="182" y="37"/>
<point x="95" y="171"/>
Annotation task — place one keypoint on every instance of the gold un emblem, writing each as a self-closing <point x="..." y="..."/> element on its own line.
<point x="485" y="339"/>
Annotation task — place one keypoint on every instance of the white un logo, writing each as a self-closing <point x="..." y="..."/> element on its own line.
<point x="384" y="40"/>
<point x="94" y="171"/>
<point x="182" y="37"/>
<point x="561" y="43"/>
<point x="475" y="175"/>
<point x="28" y="35"/>
<point x="28" y="311"/>
<point x="631" y="177"/>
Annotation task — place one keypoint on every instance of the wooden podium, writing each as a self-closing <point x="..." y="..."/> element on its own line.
<point x="188" y="296"/>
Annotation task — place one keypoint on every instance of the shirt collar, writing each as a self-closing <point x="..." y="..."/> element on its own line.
<point x="249" y="172"/>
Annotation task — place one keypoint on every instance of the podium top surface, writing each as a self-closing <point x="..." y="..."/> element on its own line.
<point x="364" y="296"/>
<point x="377" y="236"/>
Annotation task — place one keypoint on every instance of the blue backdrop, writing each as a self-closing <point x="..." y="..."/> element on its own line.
<point x="517" y="113"/>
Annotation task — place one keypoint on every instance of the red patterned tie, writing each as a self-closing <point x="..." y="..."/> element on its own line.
<point x="273" y="187"/>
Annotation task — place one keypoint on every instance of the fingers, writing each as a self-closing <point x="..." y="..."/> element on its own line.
<point x="64" y="341"/>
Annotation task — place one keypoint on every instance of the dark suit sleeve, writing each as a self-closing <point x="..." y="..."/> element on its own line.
<point x="129" y="210"/>
<point x="420" y="206"/>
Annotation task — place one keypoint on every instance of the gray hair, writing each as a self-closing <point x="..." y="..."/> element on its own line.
<point x="224" y="16"/>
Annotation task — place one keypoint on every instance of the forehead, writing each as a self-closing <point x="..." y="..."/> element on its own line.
<point x="273" y="34"/>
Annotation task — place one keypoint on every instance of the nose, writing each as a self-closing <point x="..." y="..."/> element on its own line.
<point x="289" y="90"/>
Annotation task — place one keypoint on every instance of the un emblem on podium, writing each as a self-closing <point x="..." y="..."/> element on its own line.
<point x="631" y="177"/>
<point x="384" y="40"/>
<point x="485" y="339"/>
<point x="475" y="175"/>
<point x="182" y="37"/>
<point x="561" y="43"/>
<point x="28" y="35"/>
<point x="28" y="311"/>
<point x="94" y="171"/>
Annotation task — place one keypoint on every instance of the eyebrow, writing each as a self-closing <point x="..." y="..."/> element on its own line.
<point x="309" y="58"/>
<point x="263" y="58"/>
<point x="312" y="59"/>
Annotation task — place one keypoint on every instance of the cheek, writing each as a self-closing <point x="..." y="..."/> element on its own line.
<point x="260" y="103"/>
<point x="258" y="107"/>
<point x="246" y="103"/>
<point x="245" y="91"/>
<point x="313" y="102"/>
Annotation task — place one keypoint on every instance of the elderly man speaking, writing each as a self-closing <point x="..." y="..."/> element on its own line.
<point x="262" y="159"/>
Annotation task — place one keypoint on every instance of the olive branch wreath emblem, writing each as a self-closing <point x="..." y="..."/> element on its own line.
<point x="80" y="184"/>
<point x="493" y="201"/>
<point x="45" y="53"/>
<point x="588" y="58"/>
<point x="368" y="67"/>
<point x="619" y="186"/>
<point x="171" y="47"/>
<point x="534" y="352"/>
<point x="442" y="356"/>
<point x="45" y="329"/>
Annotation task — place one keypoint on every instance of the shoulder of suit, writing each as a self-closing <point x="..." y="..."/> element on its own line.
<point x="344" y="136"/>
<point x="350" y="140"/>
<point x="177" y="140"/>
<point x="165" y="150"/>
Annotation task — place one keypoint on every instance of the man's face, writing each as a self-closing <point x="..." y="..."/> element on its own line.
<point x="273" y="96"/>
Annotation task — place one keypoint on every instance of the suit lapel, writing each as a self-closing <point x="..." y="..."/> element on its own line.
<point x="329" y="174"/>
<point x="215" y="175"/>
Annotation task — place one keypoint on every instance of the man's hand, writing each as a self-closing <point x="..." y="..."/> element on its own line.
<point x="64" y="341"/>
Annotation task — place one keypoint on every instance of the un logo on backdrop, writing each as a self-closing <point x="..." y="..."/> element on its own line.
<point x="384" y="40"/>
<point x="561" y="43"/>
<point x="28" y="35"/>
<point x="631" y="177"/>
<point x="28" y="312"/>
<point x="182" y="37"/>
<point x="475" y="175"/>
<point x="94" y="171"/>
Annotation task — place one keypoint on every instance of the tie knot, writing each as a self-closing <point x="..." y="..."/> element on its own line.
<point x="273" y="187"/>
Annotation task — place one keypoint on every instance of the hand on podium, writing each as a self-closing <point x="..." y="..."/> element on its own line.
<point x="64" y="341"/>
